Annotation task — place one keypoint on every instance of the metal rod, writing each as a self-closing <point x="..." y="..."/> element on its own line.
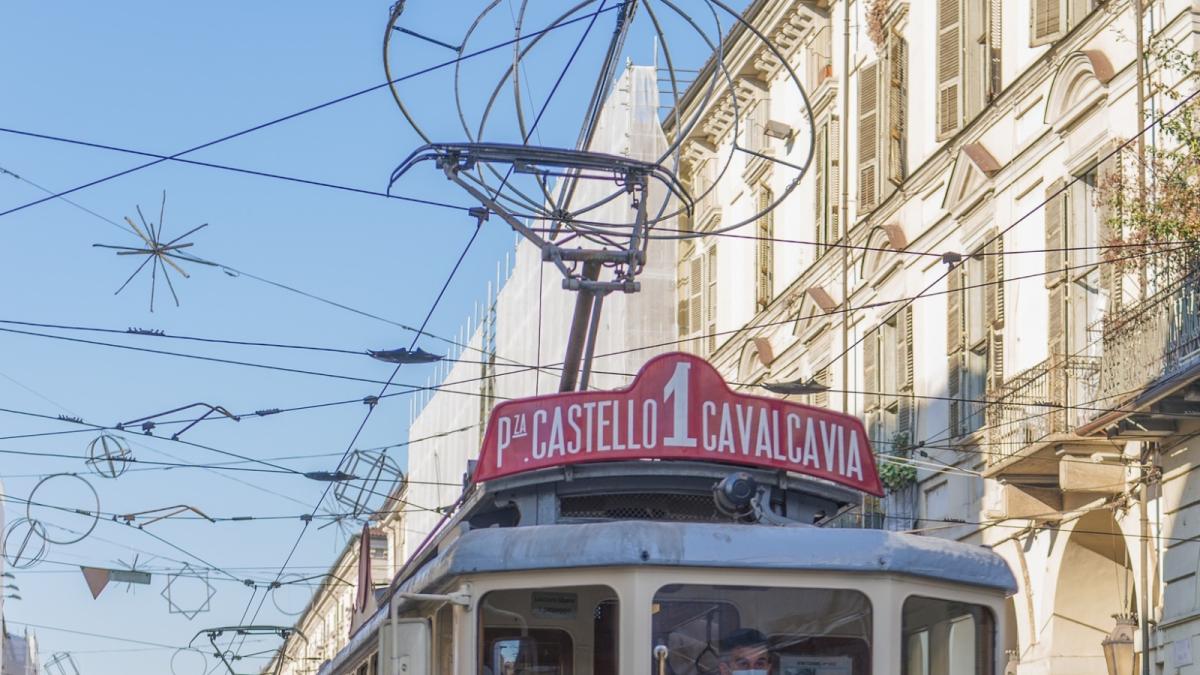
<point x="579" y="324"/>
<point x="590" y="349"/>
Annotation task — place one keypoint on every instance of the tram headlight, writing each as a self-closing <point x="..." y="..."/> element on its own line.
<point x="734" y="494"/>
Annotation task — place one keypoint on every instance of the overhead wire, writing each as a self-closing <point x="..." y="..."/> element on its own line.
<point x="305" y="111"/>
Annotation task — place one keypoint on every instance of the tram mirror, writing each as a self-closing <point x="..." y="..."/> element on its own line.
<point x="404" y="646"/>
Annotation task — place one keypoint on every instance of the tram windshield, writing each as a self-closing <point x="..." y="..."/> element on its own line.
<point x="711" y="630"/>
<point x="549" y="631"/>
<point x="943" y="637"/>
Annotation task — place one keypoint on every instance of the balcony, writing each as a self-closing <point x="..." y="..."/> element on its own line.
<point x="1032" y="421"/>
<point x="1152" y="355"/>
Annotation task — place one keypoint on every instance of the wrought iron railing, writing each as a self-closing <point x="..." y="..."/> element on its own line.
<point x="1156" y="338"/>
<point x="1053" y="397"/>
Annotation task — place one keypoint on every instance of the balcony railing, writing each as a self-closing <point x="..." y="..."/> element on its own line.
<point x="1156" y="338"/>
<point x="1040" y="402"/>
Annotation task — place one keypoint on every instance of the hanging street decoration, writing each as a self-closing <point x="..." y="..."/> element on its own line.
<point x="25" y="543"/>
<point x="158" y="254"/>
<point x="66" y="503"/>
<point x="375" y="478"/>
<point x="109" y="456"/>
<point x="188" y="592"/>
<point x="97" y="578"/>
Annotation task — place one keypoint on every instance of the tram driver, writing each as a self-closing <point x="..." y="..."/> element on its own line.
<point x="744" y="652"/>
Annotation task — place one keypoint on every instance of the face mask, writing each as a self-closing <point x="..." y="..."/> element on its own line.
<point x="750" y="672"/>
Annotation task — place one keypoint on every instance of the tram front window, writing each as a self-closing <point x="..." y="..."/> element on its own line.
<point x="728" y="630"/>
<point x="943" y="637"/>
<point x="551" y="631"/>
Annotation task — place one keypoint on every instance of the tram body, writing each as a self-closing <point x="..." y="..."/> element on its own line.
<point x="639" y="567"/>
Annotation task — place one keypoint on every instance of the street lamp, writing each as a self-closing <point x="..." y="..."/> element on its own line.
<point x="1118" y="646"/>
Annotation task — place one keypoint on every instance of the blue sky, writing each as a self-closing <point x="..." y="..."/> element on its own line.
<point x="162" y="77"/>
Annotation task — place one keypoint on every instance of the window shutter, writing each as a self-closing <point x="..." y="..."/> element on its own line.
<point x="684" y="292"/>
<point x="821" y="399"/>
<point x="1108" y="179"/>
<point x="1056" y="233"/>
<point x="949" y="67"/>
<point x="835" y="179"/>
<point x="1056" y="349"/>
<point x="868" y="137"/>
<point x="995" y="376"/>
<point x="766" y="257"/>
<point x="954" y="348"/>
<point x="905" y="401"/>
<point x="897" y="167"/>
<point x="994" y="276"/>
<point x="977" y="64"/>
<point x="819" y="201"/>
<point x="871" y="371"/>
<point x="710" y="298"/>
<point x="695" y="293"/>
<point x="994" y="308"/>
<point x="995" y="44"/>
<point x="906" y="376"/>
<point x="1047" y="21"/>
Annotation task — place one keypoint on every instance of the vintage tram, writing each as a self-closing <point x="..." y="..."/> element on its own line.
<point x="677" y="527"/>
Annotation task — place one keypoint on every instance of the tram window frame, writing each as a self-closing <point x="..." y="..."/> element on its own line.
<point x="587" y="621"/>
<point x="951" y="614"/>
<point x="855" y="651"/>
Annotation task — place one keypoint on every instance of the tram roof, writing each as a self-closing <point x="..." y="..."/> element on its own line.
<point x="643" y="543"/>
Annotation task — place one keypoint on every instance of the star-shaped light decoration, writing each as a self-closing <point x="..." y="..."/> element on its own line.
<point x="159" y="254"/>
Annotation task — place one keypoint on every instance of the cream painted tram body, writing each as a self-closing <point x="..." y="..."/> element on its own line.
<point x="628" y="568"/>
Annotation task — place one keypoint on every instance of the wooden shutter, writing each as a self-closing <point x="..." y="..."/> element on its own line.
<point x="949" y="67"/>
<point x="868" y="137"/>
<point x="695" y="295"/>
<point x="766" y="254"/>
<point x="683" y="289"/>
<point x="995" y="44"/>
<point x="1056" y="348"/>
<point x="954" y="347"/>
<point x="820" y="203"/>
<point x="821" y="399"/>
<point x="835" y="178"/>
<point x="871" y="371"/>
<point x="904" y="378"/>
<point x="994" y="308"/>
<point x="710" y="298"/>
<point x="1056" y="233"/>
<point x="897" y="111"/>
<point x="1108" y="179"/>
<point x="993" y="261"/>
<point x="977" y="61"/>
<point x="1047" y="21"/>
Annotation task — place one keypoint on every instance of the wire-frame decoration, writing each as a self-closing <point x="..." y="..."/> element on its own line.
<point x="109" y="456"/>
<point x="589" y="202"/>
<point x="90" y="515"/>
<point x="194" y="663"/>
<point x="159" y="254"/>
<point x="375" y="478"/>
<point x="188" y="575"/>
<point x="25" y="543"/>
<point x="62" y="663"/>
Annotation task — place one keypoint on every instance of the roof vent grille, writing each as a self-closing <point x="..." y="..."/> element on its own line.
<point x="694" y="508"/>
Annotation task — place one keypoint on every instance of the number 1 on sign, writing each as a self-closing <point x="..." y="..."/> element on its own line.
<point x="676" y="390"/>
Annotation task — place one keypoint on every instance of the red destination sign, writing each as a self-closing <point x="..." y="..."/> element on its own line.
<point x="678" y="407"/>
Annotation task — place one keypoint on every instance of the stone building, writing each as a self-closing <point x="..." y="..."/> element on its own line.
<point x="329" y="618"/>
<point x="941" y="271"/>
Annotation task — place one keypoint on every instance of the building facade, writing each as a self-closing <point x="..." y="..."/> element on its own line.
<point x="328" y="620"/>
<point x="945" y="269"/>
